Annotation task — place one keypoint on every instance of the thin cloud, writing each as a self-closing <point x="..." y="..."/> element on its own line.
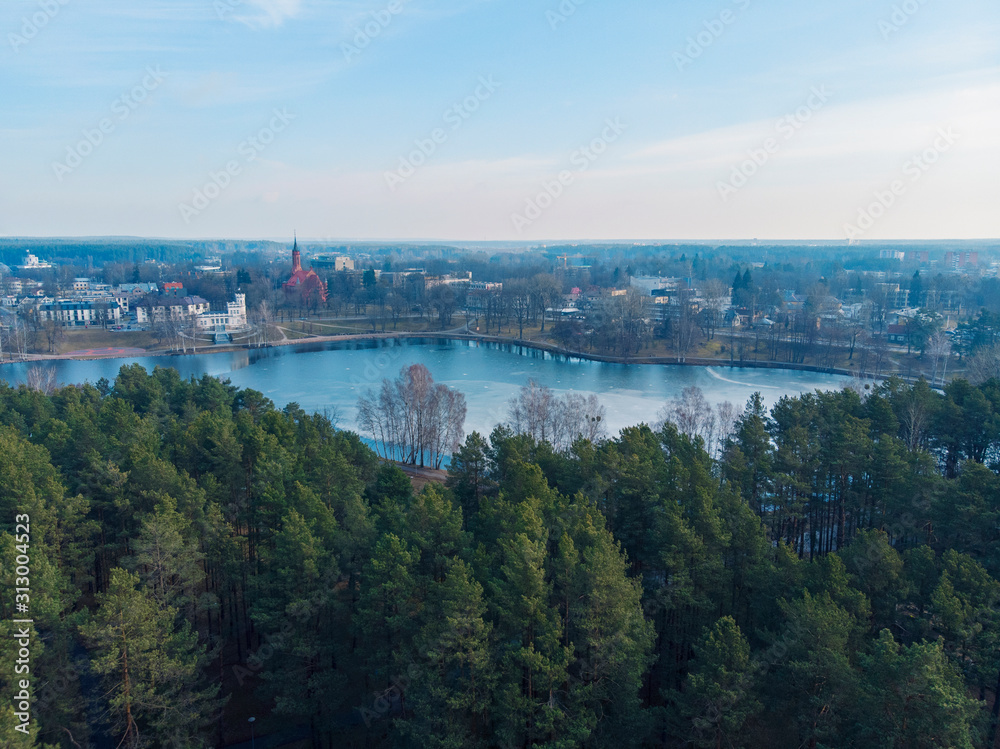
<point x="268" y="13"/>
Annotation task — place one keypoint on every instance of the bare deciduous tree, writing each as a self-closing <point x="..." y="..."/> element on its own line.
<point x="939" y="347"/>
<point x="540" y="413"/>
<point x="694" y="416"/>
<point x="42" y="379"/>
<point x="412" y="420"/>
<point x="984" y="364"/>
<point x="262" y="320"/>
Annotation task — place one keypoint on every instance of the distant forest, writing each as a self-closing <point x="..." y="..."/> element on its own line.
<point x="823" y="575"/>
<point x="82" y="252"/>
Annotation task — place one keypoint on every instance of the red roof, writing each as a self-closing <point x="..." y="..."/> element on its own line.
<point x="308" y="281"/>
<point x="300" y="276"/>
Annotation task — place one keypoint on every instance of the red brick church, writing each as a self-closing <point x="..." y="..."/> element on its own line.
<point x="304" y="282"/>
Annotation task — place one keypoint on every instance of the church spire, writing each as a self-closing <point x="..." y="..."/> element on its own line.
<point x="296" y="255"/>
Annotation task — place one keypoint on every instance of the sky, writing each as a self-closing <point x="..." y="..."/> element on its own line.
<point x="500" y="120"/>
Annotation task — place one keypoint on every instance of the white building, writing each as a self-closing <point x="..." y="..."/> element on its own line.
<point x="234" y="318"/>
<point x="485" y="286"/>
<point x="33" y="263"/>
<point x="199" y="311"/>
<point x="178" y="309"/>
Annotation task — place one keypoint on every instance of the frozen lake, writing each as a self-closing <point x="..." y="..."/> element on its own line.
<point x="333" y="375"/>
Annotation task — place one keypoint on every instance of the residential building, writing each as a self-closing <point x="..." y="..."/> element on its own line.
<point x="958" y="260"/>
<point x="897" y="333"/>
<point x="179" y="309"/>
<point x="336" y="262"/>
<point x="658" y="286"/>
<point x="134" y="289"/>
<point x="895" y="297"/>
<point x="75" y="312"/>
<point x="450" y="280"/>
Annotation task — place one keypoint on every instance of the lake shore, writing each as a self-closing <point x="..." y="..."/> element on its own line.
<point x="452" y="335"/>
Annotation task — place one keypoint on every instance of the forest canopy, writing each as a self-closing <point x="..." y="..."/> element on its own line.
<point x="824" y="575"/>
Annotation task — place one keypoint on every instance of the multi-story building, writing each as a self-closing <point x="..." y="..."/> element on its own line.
<point x="337" y="262"/>
<point x="895" y="297"/>
<point x="450" y="280"/>
<point x="33" y="263"/>
<point x="76" y="312"/>
<point x="179" y="309"/>
<point x="134" y="289"/>
<point x="234" y="318"/>
<point x="198" y="310"/>
<point x="958" y="260"/>
<point x="657" y="286"/>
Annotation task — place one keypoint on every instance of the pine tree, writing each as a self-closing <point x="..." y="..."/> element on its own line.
<point x="812" y="686"/>
<point x="913" y="698"/>
<point x="299" y="632"/>
<point x="468" y="475"/>
<point x="385" y="621"/>
<point x="612" y="640"/>
<point x="150" y="670"/>
<point x="167" y="563"/>
<point x="452" y="686"/>
<point x="719" y="697"/>
<point x="753" y="460"/>
<point x="532" y="659"/>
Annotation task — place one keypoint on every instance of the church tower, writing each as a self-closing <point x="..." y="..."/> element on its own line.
<point x="296" y="257"/>
<point x="305" y="283"/>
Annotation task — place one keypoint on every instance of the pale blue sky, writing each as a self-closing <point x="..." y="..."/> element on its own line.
<point x="685" y="123"/>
